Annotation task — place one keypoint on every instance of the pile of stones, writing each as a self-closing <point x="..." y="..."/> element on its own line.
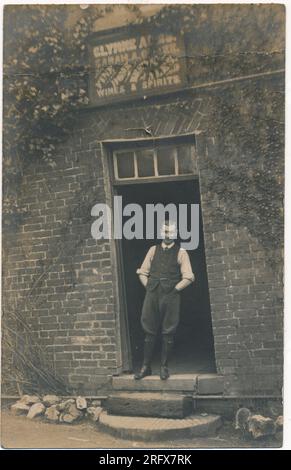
<point x="57" y="409"/>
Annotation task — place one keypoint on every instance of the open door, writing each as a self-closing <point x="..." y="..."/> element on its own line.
<point x="194" y="350"/>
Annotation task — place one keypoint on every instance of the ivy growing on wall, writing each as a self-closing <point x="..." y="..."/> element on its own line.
<point x="247" y="170"/>
<point x="45" y="81"/>
<point x="46" y="66"/>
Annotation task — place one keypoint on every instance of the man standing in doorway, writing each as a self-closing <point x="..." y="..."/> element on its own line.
<point x="165" y="272"/>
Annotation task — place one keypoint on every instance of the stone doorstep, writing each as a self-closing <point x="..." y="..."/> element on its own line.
<point x="153" y="404"/>
<point x="155" y="429"/>
<point x="202" y="384"/>
<point x="210" y="384"/>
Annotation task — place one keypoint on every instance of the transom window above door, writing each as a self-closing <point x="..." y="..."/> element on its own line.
<point x="159" y="162"/>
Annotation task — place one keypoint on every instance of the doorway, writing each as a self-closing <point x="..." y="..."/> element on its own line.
<point x="194" y="349"/>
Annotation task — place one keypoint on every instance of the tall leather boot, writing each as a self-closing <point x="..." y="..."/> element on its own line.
<point x="167" y="347"/>
<point x="149" y="344"/>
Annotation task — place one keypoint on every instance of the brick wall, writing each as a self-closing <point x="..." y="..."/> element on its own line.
<point x="245" y="296"/>
<point x="66" y="275"/>
<point x="60" y="278"/>
<point x="65" y="282"/>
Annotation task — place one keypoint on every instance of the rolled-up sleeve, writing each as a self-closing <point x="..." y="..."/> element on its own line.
<point x="185" y="265"/>
<point x="146" y="265"/>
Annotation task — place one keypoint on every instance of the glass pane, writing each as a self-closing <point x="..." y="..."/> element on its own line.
<point x="187" y="164"/>
<point x="145" y="163"/>
<point x="166" y="161"/>
<point x="125" y="165"/>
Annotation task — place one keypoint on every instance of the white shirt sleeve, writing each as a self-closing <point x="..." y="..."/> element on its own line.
<point x="185" y="265"/>
<point x="146" y="265"/>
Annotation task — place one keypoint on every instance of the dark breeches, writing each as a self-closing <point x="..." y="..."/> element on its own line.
<point x="161" y="310"/>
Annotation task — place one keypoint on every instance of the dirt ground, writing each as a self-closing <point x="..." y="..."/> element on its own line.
<point x="19" y="432"/>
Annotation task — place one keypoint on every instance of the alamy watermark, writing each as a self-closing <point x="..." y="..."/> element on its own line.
<point x="148" y="225"/>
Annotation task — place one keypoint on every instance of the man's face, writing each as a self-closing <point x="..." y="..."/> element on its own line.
<point x="169" y="233"/>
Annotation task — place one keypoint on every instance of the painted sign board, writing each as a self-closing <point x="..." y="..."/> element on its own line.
<point x="124" y="66"/>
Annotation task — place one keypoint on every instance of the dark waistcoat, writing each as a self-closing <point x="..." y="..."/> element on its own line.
<point x="165" y="269"/>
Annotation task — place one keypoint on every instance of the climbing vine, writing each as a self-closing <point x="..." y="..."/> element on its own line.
<point x="247" y="171"/>
<point x="45" y="81"/>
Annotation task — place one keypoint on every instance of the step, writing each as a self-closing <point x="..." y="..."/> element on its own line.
<point x="202" y="384"/>
<point x="154" y="404"/>
<point x="155" y="429"/>
<point x="177" y="382"/>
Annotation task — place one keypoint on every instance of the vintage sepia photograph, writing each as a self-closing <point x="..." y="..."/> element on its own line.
<point x="142" y="226"/>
